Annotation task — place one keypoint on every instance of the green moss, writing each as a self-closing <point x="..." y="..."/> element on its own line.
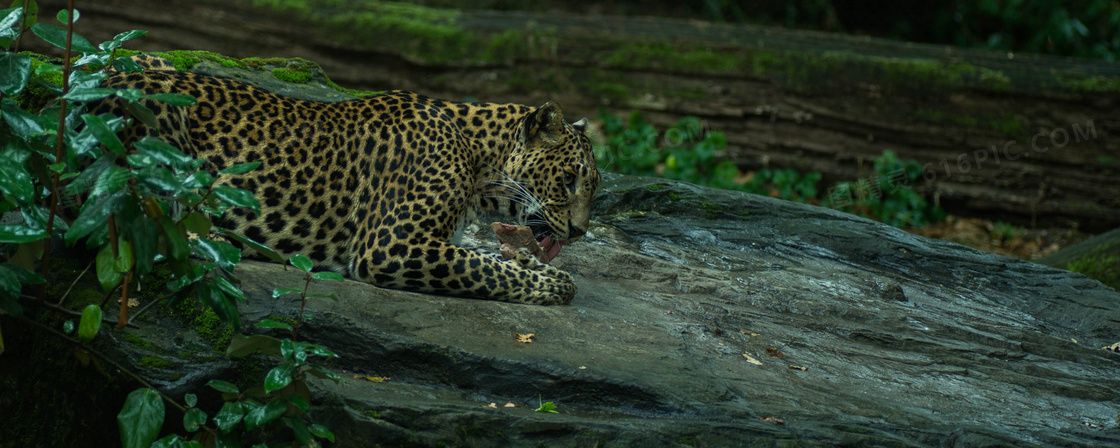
<point x="138" y="341"/>
<point x="675" y="196"/>
<point x="711" y="211"/>
<point x="1107" y="161"/>
<point x="676" y="58"/>
<point x="366" y="411"/>
<point x="1099" y="266"/>
<point x="206" y="322"/>
<point x="656" y="187"/>
<point x="1098" y="84"/>
<point x="292" y="75"/>
<point x="1008" y="125"/>
<point x="151" y="362"/>
<point x="46" y="78"/>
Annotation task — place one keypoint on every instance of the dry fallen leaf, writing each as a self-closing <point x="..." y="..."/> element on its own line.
<point x="376" y="379"/>
<point x="775" y="352"/>
<point x="583" y="367"/>
<point x="751" y="360"/>
<point x="511" y="405"/>
<point x="132" y="303"/>
<point x="492" y="405"/>
<point x="748" y="333"/>
<point x="772" y="420"/>
<point x="1114" y="347"/>
<point x="526" y="338"/>
<point x="798" y="368"/>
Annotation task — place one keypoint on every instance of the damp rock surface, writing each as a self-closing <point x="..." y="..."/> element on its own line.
<point x="716" y="318"/>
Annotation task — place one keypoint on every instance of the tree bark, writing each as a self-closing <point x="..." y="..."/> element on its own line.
<point x="1021" y="138"/>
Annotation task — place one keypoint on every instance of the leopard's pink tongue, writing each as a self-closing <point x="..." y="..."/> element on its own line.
<point x="551" y="247"/>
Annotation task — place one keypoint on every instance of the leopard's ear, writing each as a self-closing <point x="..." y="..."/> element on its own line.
<point x="546" y="123"/>
<point x="580" y="125"/>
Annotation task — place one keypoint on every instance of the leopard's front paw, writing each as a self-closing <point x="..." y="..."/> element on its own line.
<point x="552" y="286"/>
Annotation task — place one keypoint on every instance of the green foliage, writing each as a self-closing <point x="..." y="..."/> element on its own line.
<point x="887" y="196"/>
<point x="689" y="152"/>
<point x="546" y="407"/>
<point x="134" y="204"/>
<point x="283" y="396"/>
<point x="1088" y="28"/>
<point x="1101" y="266"/>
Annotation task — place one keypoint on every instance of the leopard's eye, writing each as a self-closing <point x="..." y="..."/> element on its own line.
<point x="570" y="180"/>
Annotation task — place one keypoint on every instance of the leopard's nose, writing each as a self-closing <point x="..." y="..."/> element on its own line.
<point x="574" y="232"/>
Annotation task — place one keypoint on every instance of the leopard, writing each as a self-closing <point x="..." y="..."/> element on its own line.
<point x="375" y="188"/>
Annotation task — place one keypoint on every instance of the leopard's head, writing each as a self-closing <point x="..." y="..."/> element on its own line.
<point x="552" y="177"/>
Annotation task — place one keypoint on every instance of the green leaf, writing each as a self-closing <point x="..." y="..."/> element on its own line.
<point x="174" y="99"/>
<point x="9" y="283"/>
<point x="15" y="70"/>
<point x="299" y="430"/>
<point x="237" y="197"/>
<point x="193" y="419"/>
<point x="126" y="65"/>
<point x="9" y="22"/>
<point x="267" y="413"/>
<point x="241" y="168"/>
<point x="162" y="151"/>
<point x="321" y="372"/>
<point x="144" y="236"/>
<point x="241" y="346"/>
<point x="159" y="178"/>
<point x="301" y="262"/>
<point x="143" y="114"/>
<point x="105" y="131"/>
<point x="229" y="288"/>
<point x="260" y="248"/>
<point x="190" y="400"/>
<point x="281" y="291"/>
<point x="110" y="181"/>
<point x="214" y="298"/>
<point x="88" y="95"/>
<point x="88" y="176"/>
<point x="56" y="35"/>
<point x="298" y="402"/>
<point x="15" y="181"/>
<point x="269" y="323"/>
<point x="321" y="432"/>
<point x="109" y="268"/>
<point x="132" y="34"/>
<point x="90" y="323"/>
<point x="221" y="252"/>
<point x="177" y="247"/>
<point x="278" y="377"/>
<point x="319" y="350"/>
<point x="141" y="418"/>
<point x="201" y="179"/>
<point x="198" y="223"/>
<point x="93" y="216"/>
<point x="23" y="124"/>
<point x="223" y="386"/>
<point x="230" y="414"/>
<point x="63" y="15"/>
<point x="22" y="274"/>
<point x="20" y="233"/>
<point x="9" y="304"/>
<point x="546" y="407"/>
<point x="328" y="275"/>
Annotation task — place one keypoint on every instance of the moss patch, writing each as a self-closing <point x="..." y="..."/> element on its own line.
<point x="1099" y="266"/>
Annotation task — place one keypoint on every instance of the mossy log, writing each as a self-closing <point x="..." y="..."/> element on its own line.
<point x="1021" y="138"/>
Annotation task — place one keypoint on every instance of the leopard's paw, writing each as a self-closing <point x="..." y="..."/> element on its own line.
<point x="555" y="287"/>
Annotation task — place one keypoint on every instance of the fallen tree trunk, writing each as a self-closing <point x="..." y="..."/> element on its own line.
<point x="1021" y="138"/>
